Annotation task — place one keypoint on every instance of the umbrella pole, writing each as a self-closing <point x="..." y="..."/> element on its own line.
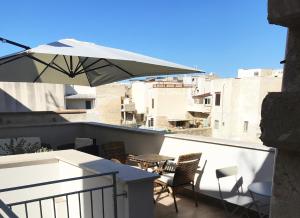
<point x="14" y="43"/>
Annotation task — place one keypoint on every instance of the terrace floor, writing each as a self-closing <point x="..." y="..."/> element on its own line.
<point x="164" y="208"/>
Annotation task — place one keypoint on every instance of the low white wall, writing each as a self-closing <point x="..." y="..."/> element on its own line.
<point x="12" y="176"/>
<point x="17" y="170"/>
<point x="255" y="163"/>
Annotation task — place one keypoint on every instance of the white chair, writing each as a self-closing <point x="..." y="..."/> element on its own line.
<point x="236" y="196"/>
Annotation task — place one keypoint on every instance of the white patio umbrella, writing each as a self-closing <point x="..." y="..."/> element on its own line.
<point x="69" y="61"/>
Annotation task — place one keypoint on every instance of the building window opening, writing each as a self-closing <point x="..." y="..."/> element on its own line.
<point x="151" y="122"/>
<point x="246" y="123"/>
<point x="206" y="101"/>
<point x="88" y="104"/>
<point x="218" y="99"/>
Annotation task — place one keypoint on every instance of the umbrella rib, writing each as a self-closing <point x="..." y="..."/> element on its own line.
<point x="95" y="62"/>
<point x="80" y="64"/>
<point x="43" y="71"/>
<point x="10" y="56"/>
<point x="66" y="63"/>
<point x="13" y="59"/>
<point x="71" y="63"/>
<point x="96" y="68"/>
<point x="61" y="69"/>
<point x="120" y="68"/>
<point x="43" y="62"/>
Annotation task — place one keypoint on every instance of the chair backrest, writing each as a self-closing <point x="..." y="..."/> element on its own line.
<point x="231" y="171"/>
<point x="189" y="157"/>
<point x="114" y="150"/>
<point x="186" y="168"/>
<point x="227" y="171"/>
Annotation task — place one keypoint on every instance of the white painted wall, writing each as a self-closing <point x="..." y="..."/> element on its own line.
<point x="246" y="73"/>
<point x="139" y="91"/>
<point x="169" y="104"/>
<point x="241" y="101"/>
<point x="30" y="174"/>
<point x="24" y="97"/>
<point x="255" y="163"/>
<point x="75" y="89"/>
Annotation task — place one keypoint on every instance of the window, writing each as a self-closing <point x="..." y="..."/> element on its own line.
<point x="246" y="123"/>
<point x="207" y="101"/>
<point x="256" y="74"/>
<point x="218" y="99"/>
<point x="88" y="104"/>
<point x="216" y="124"/>
<point x="129" y="116"/>
<point x="152" y="103"/>
<point x="151" y="122"/>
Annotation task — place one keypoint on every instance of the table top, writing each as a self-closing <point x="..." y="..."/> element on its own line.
<point x="152" y="158"/>
<point x="261" y="188"/>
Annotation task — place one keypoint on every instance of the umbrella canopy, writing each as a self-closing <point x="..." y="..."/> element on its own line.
<point x="69" y="61"/>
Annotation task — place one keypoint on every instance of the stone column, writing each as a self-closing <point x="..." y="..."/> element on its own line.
<point x="280" y="126"/>
<point x="291" y="76"/>
<point x="280" y="122"/>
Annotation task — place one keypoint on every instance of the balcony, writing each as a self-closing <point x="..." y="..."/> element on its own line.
<point x="128" y="107"/>
<point x="202" y="108"/>
<point x="255" y="163"/>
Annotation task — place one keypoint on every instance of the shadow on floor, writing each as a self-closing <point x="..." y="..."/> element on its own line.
<point x="164" y="208"/>
<point x="207" y="208"/>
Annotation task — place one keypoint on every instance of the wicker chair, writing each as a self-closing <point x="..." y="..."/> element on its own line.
<point x="115" y="151"/>
<point x="183" y="175"/>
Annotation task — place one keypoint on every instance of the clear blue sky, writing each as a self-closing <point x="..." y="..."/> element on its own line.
<point x="215" y="35"/>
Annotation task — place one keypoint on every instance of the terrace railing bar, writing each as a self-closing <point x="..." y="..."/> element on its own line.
<point x="8" y="209"/>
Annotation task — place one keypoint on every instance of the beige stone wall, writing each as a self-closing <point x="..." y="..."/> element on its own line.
<point x="194" y="131"/>
<point x="161" y="122"/>
<point x="169" y="103"/>
<point x="241" y="101"/>
<point x="108" y="102"/>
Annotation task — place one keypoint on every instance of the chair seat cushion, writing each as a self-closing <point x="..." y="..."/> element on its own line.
<point x="167" y="178"/>
<point x="241" y="200"/>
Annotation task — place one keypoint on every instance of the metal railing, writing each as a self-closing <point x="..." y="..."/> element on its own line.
<point x="8" y="209"/>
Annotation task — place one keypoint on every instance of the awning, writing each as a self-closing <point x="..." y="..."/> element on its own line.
<point x="202" y="95"/>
